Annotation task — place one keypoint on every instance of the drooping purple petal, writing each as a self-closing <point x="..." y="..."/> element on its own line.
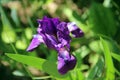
<point x="66" y="62"/>
<point x="36" y="41"/>
<point x="76" y="32"/>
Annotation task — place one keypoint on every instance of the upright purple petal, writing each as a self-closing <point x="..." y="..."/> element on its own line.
<point x="66" y="61"/>
<point x="74" y="29"/>
<point x="47" y="25"/>
<point x="36" y="41"/>
<point x="45" y="18"/>
<point x="55" y="21"/>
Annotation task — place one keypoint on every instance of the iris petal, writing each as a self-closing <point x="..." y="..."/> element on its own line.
<point x="72" y="27"/>
<point x="55" y="21"/>
<point x="63" y="34"/>
<point x="36" y="41"/>
<point x="66" y="62"/>
<point x="48" y="25"/>
<point x="62" y="27"/>
<point x="50" y="41"/>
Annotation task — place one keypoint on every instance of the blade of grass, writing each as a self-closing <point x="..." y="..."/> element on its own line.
<point x="96" y="71"/>
<point x="31" y="24"/>
<point x="108" y="60"/>
<point x="116" y="56"/>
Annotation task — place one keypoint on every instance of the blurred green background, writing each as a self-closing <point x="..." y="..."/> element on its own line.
<point x="97" y="53"/>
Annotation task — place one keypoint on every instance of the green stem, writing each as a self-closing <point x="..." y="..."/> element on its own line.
<point x="45" y="77"/>
<point x="31" y="24"/>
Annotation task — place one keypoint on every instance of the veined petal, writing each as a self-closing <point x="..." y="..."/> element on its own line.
<point x="66" y="61"/>
<point x="37" y="39"/>
<point x="50" y="41"/>
<point x="63" y="35"/>
<point x="63" y="28"/>
<point x="72" y="27"/>
<point x="63" y="38"/>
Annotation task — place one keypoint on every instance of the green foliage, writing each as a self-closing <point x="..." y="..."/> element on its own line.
<point x="101" y="20"/>
<point x="39" y="63"/>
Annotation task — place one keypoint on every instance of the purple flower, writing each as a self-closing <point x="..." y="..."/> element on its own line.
<point x="56" y="35"/>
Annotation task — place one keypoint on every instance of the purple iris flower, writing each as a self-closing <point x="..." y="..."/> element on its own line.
<point x="56" y="35"/>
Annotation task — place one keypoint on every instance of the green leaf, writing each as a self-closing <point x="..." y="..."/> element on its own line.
<point x="108" y="60"/>
<point x="49" y="67"/>
<point x="96" y="71"/>
<point x="29" y="60"/>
